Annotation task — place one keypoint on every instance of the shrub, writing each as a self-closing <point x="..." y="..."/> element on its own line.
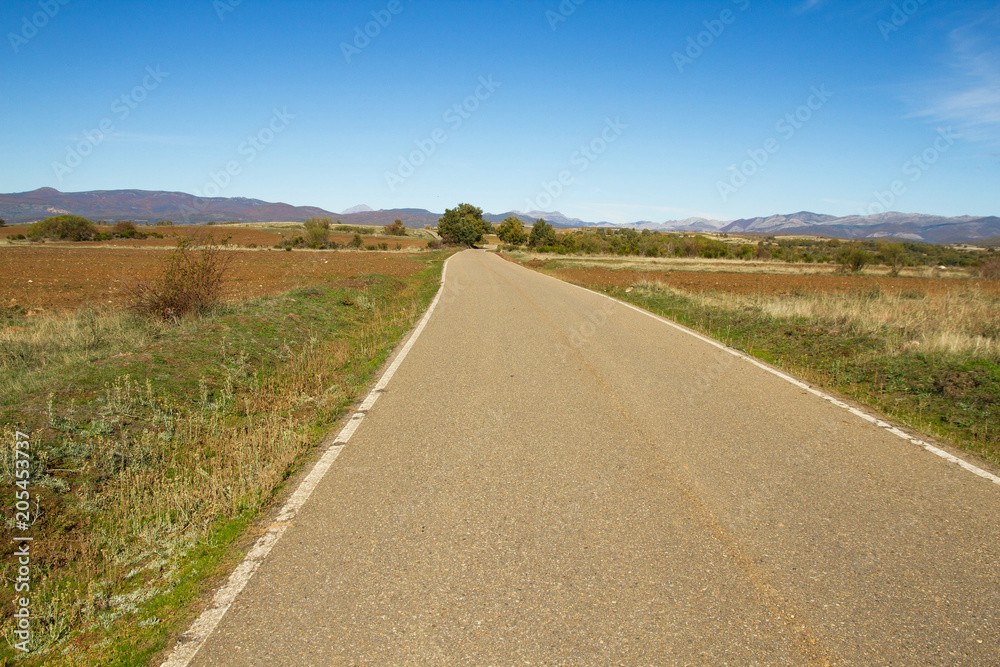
<point x="854" y="258"/>
<point x="434" y="244"/>
<point x="383" y="246"/>
<point x="62" y="228"/>
<point x="190" y="283"/>
<point x="3" y="223"/>
<point x="165" y="223"/>
<point x="710" y="248"/>
<point x="592" y="244"/>
<point x="356" y="241"/>
<point x="126" y="229"/>
<point x="396" y="228"/>
<point x="893" y="255"/>
<point x="990" y="268"/>
<point x="318" y="230"/>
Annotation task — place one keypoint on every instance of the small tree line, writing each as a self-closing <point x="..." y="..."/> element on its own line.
<point x="318" y="232"/>
<point x="465" y="225"/>
<point x="852" y="255"/>
<point x="77" y="228"/>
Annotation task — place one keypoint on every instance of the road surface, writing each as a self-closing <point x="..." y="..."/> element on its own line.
<point x="552" y="478"/>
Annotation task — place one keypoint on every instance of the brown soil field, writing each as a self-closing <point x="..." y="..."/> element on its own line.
<point x="766" y="283"/>
<point x="239" y="235"/>
<point x="49" y="277"/>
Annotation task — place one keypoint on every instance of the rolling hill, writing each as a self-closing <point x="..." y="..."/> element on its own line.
<point x="150" y="206"/>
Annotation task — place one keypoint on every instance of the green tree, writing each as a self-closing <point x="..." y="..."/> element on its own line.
<point x="462" y="225"/>
<point x="3" y="223"/>
<point x="62" y="228"/>
<point x="512" y="231"/>
<point x="542" y="234"/>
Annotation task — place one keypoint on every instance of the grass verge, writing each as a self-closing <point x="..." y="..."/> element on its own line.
<point x="154" y="447"/>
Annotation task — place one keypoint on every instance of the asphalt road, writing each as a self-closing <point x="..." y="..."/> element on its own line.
<point x="555" y="479"/>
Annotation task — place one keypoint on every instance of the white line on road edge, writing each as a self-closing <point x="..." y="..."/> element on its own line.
<point x="802" y="385"/>
<point x="192" y="640"/>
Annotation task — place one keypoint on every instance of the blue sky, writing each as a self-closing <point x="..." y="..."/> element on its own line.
<point x="616" y="111"/>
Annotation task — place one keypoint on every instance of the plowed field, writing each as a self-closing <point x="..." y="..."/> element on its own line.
<point x="56" y="278"/>
<point x="767" y="283"/>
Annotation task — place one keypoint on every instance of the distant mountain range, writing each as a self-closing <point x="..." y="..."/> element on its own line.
<point x="911" y="226"/>
<point x="182" y="208"/>
<point x="147" y="206"/>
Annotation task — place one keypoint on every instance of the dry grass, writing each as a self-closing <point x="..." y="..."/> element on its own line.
<point x="955" y="322"/>
<point x="700" y="264"/>
<point x="39" y="346"/>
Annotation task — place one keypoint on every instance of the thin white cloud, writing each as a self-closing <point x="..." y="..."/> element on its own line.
<point x="808" y="5"/>
<point x="971" y="100"/>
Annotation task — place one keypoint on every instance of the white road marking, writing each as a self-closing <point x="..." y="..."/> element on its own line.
<point x="192" y="640"/>
<point x="798" y="383"/>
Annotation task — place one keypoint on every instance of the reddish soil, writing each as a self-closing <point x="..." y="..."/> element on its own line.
<point x="768" y="283"/>
<point x="52" y="277"/>
<point x="239" y="236"/>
